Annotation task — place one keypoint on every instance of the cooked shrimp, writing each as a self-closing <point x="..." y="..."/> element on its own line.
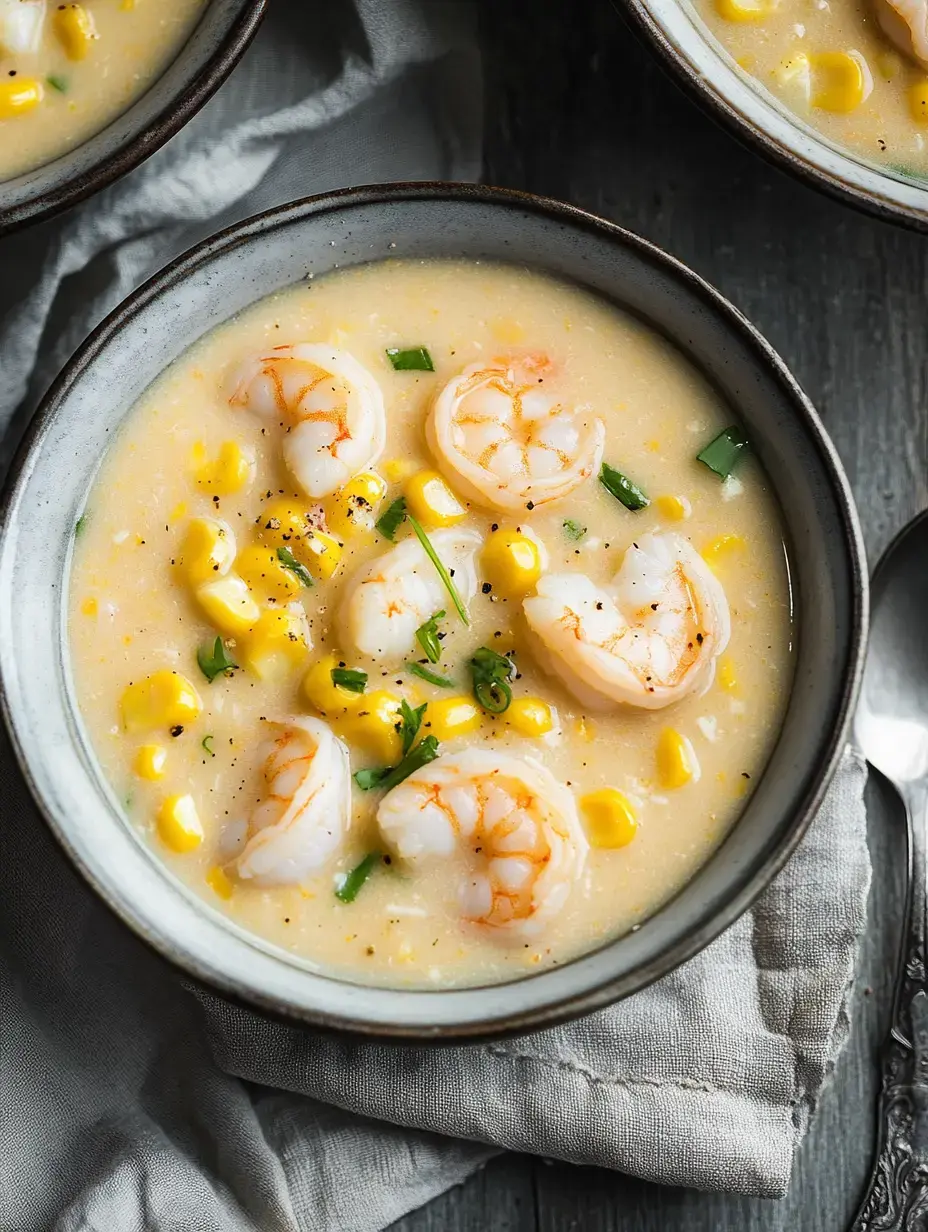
<point x="329" y="405"/>
<point x="307" y="810"/>
<point x="906" y="23"/>
<point x="648" y="640"/>
<point x="510" y="826"/>
<point x="507" y="441"/>
<point x="21" y="24"/>
<point x="388" y="601"/>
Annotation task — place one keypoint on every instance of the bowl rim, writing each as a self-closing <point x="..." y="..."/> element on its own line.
<point x="170" y="119"/>
<point x="747" y="886"/>
<point x="699" y="87"/>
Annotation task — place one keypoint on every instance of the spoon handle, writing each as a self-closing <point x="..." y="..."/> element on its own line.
<point x="897" y="1198"/>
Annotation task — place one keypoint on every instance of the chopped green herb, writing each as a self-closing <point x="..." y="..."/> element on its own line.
<point x="289" y="561"/>
<point x="423" y="673"/>
<point x="206" y="742"/>
<point x="347" y="892"/>
<point x="412" y="721"/>
<point x="350" y="679"/>
<point x="574" y="530"/>
<point x="214" y="661"/>
<point x="722" y="454"/>
<point x="427" y="637"/>
<point x="440" y="569"/>
<point x="491" y="674"/>
<point x="80" y="525"/>
<point x="424" y="752"/>
<point x="389" y="523"/>
<point x="414" y="359"/>
<point x="58" y="83"/>
<point x="622" y="488"/>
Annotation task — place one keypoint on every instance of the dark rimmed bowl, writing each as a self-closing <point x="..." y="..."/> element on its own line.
<point x="199" y="69"/>
<point x="708" y="73"/>
<point x="76" y="423"/>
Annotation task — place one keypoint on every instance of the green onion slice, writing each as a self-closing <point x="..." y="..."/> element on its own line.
<point x="440" y="569"/>
<point x="350" y="679"/>
<point x="214" y="661"/>
<point x="207" y="743"/>
<point x="424" y="752"/>
<point x="622" y="488"/>
<point x="491" y="673"/>
<point x="413" y="359"/>
<point x="348" y="890"/>
<point x="722" y="454"/>
<point x="423" y="673"/>
<point x="389" y="522"/>
<point x="427" y="637"/>
<point x="412" y="721"/>
<point x="289" y="561"/>
<point x="58" y="83"/>
<point x="574" y="530"/>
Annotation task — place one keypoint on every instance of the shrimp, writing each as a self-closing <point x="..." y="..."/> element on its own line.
<point x="511" y="827"/>
<point x="21" y="24"/>
<point x="648" y="640"/>
<point x="307" y="811"/>
<point x="388" y="601"/>
<point x="329" y="405"/>
<point x="507" y="441"/>
<point x="906" y="23"/>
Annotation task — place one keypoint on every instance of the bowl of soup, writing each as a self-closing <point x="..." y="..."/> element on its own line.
<point x="835" y="92"/>
<point x="428" y="610"/>
<point x="89" y="90"/>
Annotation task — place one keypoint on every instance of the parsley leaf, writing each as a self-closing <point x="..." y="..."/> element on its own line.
<point x="424" y="752"/>
<point x="389" y="523"/>
<point x="350" y="679"/>
<point x="214" y="661"/>
<point x="289" y="561"/>
<point x="412" y="721"/>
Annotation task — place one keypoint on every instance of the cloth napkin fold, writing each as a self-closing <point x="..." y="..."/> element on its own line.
<point x="135" y="1101"/>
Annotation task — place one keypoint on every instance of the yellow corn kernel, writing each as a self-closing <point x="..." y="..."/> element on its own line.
<point x="179" y="825"/>
<point x="841" y="80"/>
<point x="322" y="553"/>
<point x="530" y="716"/>
<point x="228" y="605"/>
<point x="504" y="329"/>
<point x="748" y="62"/>
<point x="429" y="499"/>
<point x="179" y="511"/>
<point x="918" y="101"/>
<point x="742" y="10"/>
<point x="19" y="95"/>
<point x="794" y="73"/>
<point x="726" y="675"/>
<point x="376" y="725"/>
<point x="676" y="759"/>
<point x="284" y="523"/>
<point x="75" y="30"/>
<point x="397" y="469"/>
<point x="674" y="508"/>
<point x="722" y="547"/>
<point x="353" y="509"/>
<point x="207" y="551"/>
<point x="231" y="470"/>
<point x="321" y="692"/>
<point x="163" y="699"/>
<point x="90" y="606"/>
<point x="219" y="882"/>
<point x="610" y="818"/>
<point x="262" y="571"/>
<point x="150" y="760"/>
<point x="452" y="716"/>
<point x="277" y="644"/>
<point x="511" y="563"/>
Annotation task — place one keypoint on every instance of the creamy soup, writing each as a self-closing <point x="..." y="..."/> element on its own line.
<point x="412" y="632"/>
<point x="857" y="70"/>
<point x="67" y="70"/>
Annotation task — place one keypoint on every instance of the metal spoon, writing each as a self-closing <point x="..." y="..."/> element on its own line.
<point x="891" y="728"/>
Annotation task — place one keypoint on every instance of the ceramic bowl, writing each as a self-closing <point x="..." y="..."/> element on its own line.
<point x="700" y="63"/>
<point x="97" y="390"/>
<point x="199" y="69"/>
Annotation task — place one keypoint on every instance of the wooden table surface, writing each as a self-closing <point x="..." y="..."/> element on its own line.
<point x="577" y="109"/>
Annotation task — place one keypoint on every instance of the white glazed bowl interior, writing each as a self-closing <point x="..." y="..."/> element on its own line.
<point x="98" y="389"/>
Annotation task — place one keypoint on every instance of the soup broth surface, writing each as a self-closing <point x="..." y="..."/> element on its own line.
<point x="133" y="613"/>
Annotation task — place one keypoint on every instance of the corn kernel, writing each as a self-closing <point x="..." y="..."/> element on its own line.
<point x="208" y="550"/>
<point x="397" y="469"/>
<point x="320" y="691"/>
<point x="179" y="511"/>
<point x="450" y="717"/>
<point x="674" y="508"/>
<point x="511" y="563"/>
<point x="794" y="73"/>
<point x="530" y="716"/>
<point x="90" y="606"/>
<point x="918" y="101"/>
<point x="726" y="675"/>
<point x="232" y="469"/>
<point x="285" y="524"/>
<point x="228" y="605"/>
<point x="742" y="10"/>
<point x="219" y="882"/>
<point x="353" y="509"/>
<point x="150" y="760"/>
<point x="163" y="699"/>
<point x="722" y="547"/>
<point x="179" y="825"/>
<point x="19" y="95"/>
<point x="278" y="643"/>
<point x="260" y="567"/>
<point x="429" y="499"/>
<point x="841" y="81"/>
<point x="677" y="764"/>
<point x="610" y="818"/>
<point x="376" y="725"/>
<point x="322" y="553"/>
<point x="75" y="29"/>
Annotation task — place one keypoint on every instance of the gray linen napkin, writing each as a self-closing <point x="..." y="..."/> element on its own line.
<point x="133" y="1102"/>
